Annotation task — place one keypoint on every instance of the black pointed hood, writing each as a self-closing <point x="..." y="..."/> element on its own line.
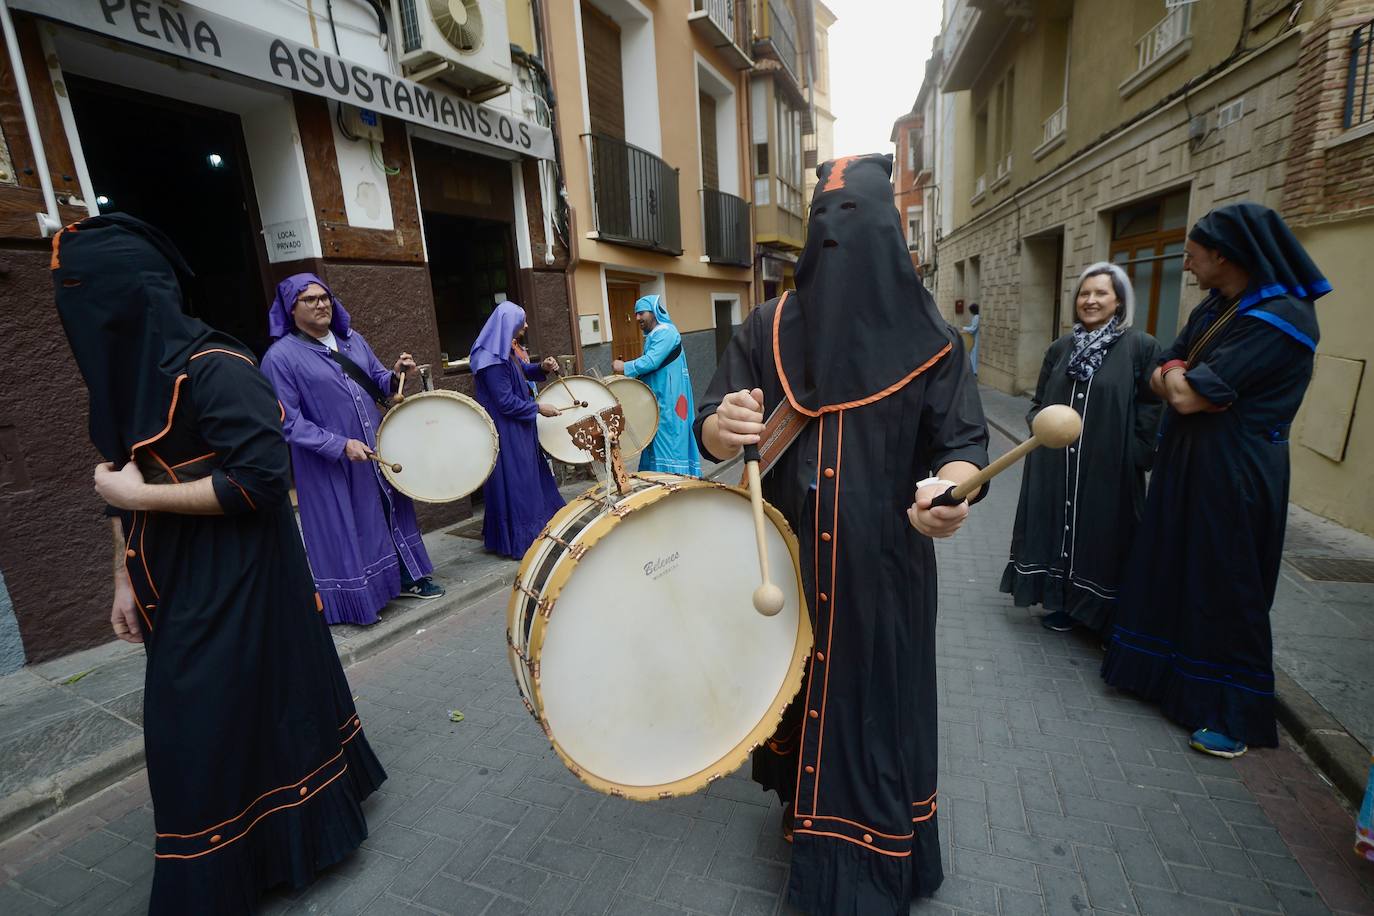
<point x="860" y="324"/>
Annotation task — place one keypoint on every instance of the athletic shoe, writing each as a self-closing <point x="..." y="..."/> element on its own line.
<point x="423" y="589"/>
<point x="1216" y="744"/>
<point x="1059" y="622"/>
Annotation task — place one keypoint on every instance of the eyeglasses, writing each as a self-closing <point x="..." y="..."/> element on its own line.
<point x="311" y="301"/>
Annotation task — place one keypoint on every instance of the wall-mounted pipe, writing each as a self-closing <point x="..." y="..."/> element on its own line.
<point x="48" y="222"/>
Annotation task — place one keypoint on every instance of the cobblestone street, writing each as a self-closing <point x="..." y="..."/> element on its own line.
<point x="1056" y="796"/>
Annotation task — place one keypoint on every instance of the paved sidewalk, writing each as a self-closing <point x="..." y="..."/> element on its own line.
<point x="1323" y="631"/>
<point x="1057" y="796"/>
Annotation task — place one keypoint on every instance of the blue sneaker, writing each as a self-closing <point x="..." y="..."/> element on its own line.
<point x="1216" y="744"/>
<point x="423" y="589"/>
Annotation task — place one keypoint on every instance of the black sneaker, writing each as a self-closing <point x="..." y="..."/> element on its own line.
<point x="1059" y="622"/>
<point x="423" y="589"/>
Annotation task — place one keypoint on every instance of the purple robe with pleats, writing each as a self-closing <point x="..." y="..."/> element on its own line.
<point x="358" y="529"/>
<point x="520" y="494"/>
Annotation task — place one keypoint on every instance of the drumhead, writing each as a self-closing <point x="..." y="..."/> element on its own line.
<point x="553" y="431"/>
<point x="641" y="412"/>
<point x="444" y="442"/>
<point x="655" y="673"/>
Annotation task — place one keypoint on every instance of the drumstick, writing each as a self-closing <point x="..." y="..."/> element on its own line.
<point x="395" y="468"/>
<point x="575" y="401"/>
<point x="768" y="598"/>
<point x="398" y="397"/>
<point x="1054" y="427"/>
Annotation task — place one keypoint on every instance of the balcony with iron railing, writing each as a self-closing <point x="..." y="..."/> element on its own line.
<point x="725" y="225"/>
<point x="777" y="36"/>
<point x="1167" y="41"/>
<point x="726" y="25"/>
<point x="634" y="196"/>
<point x="1359" y="105"/>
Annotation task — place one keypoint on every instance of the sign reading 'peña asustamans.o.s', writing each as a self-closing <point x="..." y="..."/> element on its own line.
<point x="187" y="31"/>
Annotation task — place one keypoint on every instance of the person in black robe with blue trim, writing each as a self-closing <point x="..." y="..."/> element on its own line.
<point x="1192" y="628"/>
<point x="860" y="349"/>
<point x="257" y="763"/>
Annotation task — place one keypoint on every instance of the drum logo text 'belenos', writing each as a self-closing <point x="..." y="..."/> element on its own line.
<point x="662" y="566"/>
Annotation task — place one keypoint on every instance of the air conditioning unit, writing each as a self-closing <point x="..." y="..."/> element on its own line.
<point x="464" y="44"/>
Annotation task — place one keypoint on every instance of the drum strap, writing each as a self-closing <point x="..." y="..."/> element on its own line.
<point x="780" y="430"/>
<point x="352" y="370"/>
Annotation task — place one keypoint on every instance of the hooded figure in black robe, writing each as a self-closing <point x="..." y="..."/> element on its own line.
<point x="860" y="348"/>
<point x="256" y="759"/>
<point x="1192" y="625"/>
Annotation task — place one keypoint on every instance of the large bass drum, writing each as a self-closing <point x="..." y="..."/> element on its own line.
<point x="444" y="442"/>
<point x="635" y="642"/>
<point x="567" y="394"/>
<point x="640" y="407"/>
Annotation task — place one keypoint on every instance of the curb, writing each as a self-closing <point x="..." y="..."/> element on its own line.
<point x="1341" y="757"/>
<point x="41" y="799"/>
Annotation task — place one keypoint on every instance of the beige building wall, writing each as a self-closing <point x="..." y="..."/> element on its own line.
<point x="685" y="280"/>
<point x="825" y="118"/>
<point x="1331" y="433"/>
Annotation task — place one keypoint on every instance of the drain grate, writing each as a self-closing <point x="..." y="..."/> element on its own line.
<point x="1334" y="569"/>
<point x="472" y="531"/>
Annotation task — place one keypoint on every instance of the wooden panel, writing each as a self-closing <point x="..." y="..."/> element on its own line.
<point x="710" y="170"/>
<point x="340" y="240"/>
<point x="461" y="183"/>
<point x="605" y="80"/>
<point x="628" y="340"/>
<point x="17" y="213"/>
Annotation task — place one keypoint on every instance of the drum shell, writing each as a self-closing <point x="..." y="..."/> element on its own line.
<point x="549" y="566"/>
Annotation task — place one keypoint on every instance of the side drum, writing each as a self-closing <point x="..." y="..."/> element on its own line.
<point x="635" y="643"/>
<point x="568" y="394"/>
<point x="444" y="442"/>
<point x="641" y="413"/>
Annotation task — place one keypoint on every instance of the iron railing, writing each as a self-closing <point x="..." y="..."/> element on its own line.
<point x="1359" y="107"/>
<point x="634" y="196"/>
<point x="1055" y="124"/>
<point x="725" y="219"/>
<point x="782" y="31"/>
<point x="1166" y="34"/>
<point x="731" y="17"/>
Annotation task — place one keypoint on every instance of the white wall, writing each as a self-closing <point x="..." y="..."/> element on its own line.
<point x="354" y="22"/>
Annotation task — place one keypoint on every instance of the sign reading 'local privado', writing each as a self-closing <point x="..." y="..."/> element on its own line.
<point x="189" y="32"/>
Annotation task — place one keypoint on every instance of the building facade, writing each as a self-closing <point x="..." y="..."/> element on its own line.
<point x="819" y="147"/>
<point x="1076" y="144"/>
<point x="653" y="108"/>
<point x="408" y="163"/>
<point x="781" y="123"/>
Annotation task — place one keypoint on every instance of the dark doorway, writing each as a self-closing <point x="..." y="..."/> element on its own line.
<point x="725" y="326"/>
<point x="184" y="169"/>
<point x="468" y="211"/>
<point x="469" y="265"/>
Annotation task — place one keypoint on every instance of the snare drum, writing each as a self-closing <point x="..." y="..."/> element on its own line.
<point x="634" y="639"/>
<point x="444" y="442"/>
<point x="553" y="431"/>
<point x="641" y="413"/>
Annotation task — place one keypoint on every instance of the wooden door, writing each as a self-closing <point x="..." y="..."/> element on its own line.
<point x="605" y="81"/>
<point x="627" y="341"/>
<point x="710" y="171"/>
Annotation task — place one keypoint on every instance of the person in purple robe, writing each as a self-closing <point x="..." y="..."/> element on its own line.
<point x="361" y="536"/>
<point x="521" y="495"/>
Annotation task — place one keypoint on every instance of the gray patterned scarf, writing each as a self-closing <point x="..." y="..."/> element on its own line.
<point x="1090" y="348"/>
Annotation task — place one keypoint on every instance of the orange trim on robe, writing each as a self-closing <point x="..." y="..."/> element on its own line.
<point x="830" y="408"/>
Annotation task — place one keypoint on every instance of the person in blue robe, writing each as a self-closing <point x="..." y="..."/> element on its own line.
<point x="520" y="495"/>
<point x="663" y="367"/>
<point x="1192" y="628"/>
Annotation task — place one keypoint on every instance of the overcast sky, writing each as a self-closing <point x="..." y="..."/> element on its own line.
<point x="878" y="51"/>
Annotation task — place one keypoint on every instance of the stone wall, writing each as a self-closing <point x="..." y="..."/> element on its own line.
<point x="1243" y="161"/>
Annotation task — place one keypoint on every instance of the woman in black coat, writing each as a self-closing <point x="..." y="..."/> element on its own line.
<point x="1080" y="506"/>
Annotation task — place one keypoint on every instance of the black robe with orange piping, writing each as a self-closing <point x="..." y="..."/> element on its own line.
<point x="856" y="755"/>
<point x="257" y="763"/>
